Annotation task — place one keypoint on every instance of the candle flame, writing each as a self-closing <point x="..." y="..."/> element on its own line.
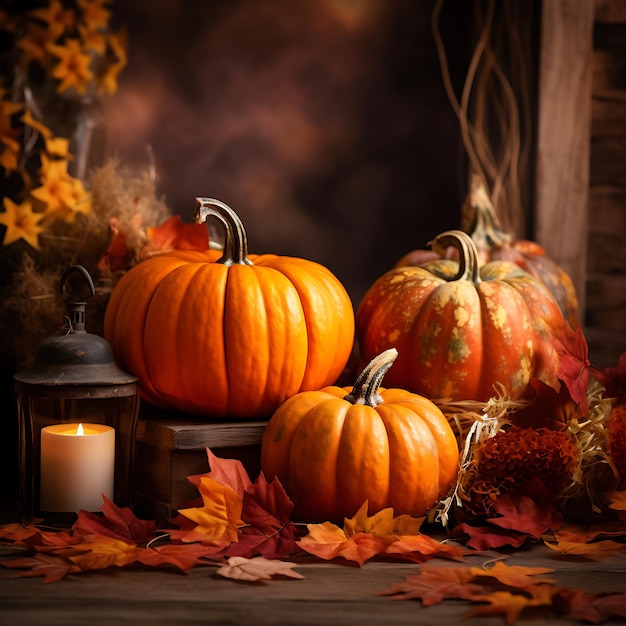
<point x="79" y="430"/>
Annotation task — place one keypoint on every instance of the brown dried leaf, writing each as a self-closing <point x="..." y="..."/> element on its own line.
<point x="257" y="569"/>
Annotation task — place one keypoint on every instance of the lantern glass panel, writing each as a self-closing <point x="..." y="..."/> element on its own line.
<point x="37" y="409"/>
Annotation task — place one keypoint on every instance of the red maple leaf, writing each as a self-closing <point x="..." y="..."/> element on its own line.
<point x="118" y="255"/>
<point x="269" y="531"/>
<point x="519" y="512"/>
<point x="488" y="537"/>
<point x="614" y="378"/>
<point x="174" y="234"/>
<point x="51" y="567"/>
<point x="571" y="346"/>
<point x="228" y="472"/>
<point x="591" y="607"/>
<point x="182" y="556"/>
<point x="115" y="522"/>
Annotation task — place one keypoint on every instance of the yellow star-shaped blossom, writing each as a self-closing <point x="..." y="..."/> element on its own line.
<point x="56" y="192"/>
<point x="7" y="111"/>
<point x="57" y="18"/>
<point x="34" y="44"/>
<point x="30" y="121"/>
<point x="21" y="223"/>
<point x="95" y="15"/>
<point x="93" y="40"/>
<point x="58" y="147"/>
<point x="9" y="154"/>
<point x="107" y="81"/>
<point x="80" y="203"/>
<point x="73" y="67"/>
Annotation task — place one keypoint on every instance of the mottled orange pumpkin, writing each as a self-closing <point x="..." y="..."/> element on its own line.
<point x="462" y="332"/>
<point x="334" y="448"/>
<point x="493" y="243"/>
<point x="224" y="334"/>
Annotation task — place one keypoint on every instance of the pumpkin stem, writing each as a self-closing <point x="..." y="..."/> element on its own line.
<point x="365" y="390"/>
<point x="479" y="218"/>
<point x="469" y="265"/>
<point x="235" y="239"/>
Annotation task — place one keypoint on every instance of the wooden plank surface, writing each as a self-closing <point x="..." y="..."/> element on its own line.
<point x="331" y="594"/>
<point x="564" y="112"/>
<point x="188" y="434"/>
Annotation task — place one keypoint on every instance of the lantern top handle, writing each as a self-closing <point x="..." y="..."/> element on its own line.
<point x="76" y="300"/>
<point x="76" y="297"/>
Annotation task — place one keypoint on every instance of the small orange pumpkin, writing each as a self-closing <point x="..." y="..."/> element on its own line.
<point x="335" y="448"/>
<point x="224" y="334"/>
<point x="460" y="330"/>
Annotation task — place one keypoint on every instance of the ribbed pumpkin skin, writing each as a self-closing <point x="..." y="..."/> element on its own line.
<point x="332" y="455"/>
<point x="221" y="340"/>
<point x="458" y="337"/>
<point x="532" y="258"/>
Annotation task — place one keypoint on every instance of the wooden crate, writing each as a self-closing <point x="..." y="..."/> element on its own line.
<point x="170" y="447"/>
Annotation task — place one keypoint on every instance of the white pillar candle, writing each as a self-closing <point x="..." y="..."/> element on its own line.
<point x="77" y="466"/>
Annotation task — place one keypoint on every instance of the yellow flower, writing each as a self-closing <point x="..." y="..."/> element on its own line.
<point x="93" y="40"/>
<point x="9" y="154"/>
<point x="108" y="79"/>
<point x="56" y="192"/>
<point x="9" y="146"/>
<point x="34" y="44"/>
<point x="80" y="203"/>
<point x="57" y="18"/>
<point x="7" y="111"/>
<point x="21" y="223"/>
<point x="30" y="121"/>
<point x="73" y="67"/>
<point x="58" y="147"/>
<point x="94" y="13"/>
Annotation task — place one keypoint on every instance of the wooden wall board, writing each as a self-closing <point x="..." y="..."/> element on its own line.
<point x="563" y="143"/>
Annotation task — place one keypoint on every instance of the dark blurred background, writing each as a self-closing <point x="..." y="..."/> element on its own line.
<point x="323" y="123"/>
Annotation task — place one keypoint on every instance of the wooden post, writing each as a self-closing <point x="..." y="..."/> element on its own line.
<point x="564" y="131"/>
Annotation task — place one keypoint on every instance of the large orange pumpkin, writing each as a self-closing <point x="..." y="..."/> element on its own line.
<point x="335" y="448"/>
<point x="224" y="334"/>
<point x="462" y="332"/>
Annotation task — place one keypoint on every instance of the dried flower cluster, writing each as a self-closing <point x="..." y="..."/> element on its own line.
<point x="513" y="458"/>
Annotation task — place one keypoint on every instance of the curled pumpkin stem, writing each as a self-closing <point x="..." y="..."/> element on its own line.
<point x="365" y="390"/>
<point x="235" y="239"/>
<point x="469" y="266"/>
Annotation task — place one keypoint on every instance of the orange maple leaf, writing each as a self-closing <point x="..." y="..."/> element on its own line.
<point x="219" y="519"/>
<point x="617" y="502"/>
<point x="595" y="550"/>
<point x="102" y="552"/>
<point x="583" y="534"/>
<point x="510" y="604"/>
<point x="182" y="556"/>
<point x="419" y="548"/>
<point x="174" y="234"/>
<point x="364" y="537"/>
<point x="435" y="584"/>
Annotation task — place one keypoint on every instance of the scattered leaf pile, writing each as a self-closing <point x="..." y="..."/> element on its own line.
<point x="243" y="530"/>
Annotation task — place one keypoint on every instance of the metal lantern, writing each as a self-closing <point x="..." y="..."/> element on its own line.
<point x="77" y="413"/>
